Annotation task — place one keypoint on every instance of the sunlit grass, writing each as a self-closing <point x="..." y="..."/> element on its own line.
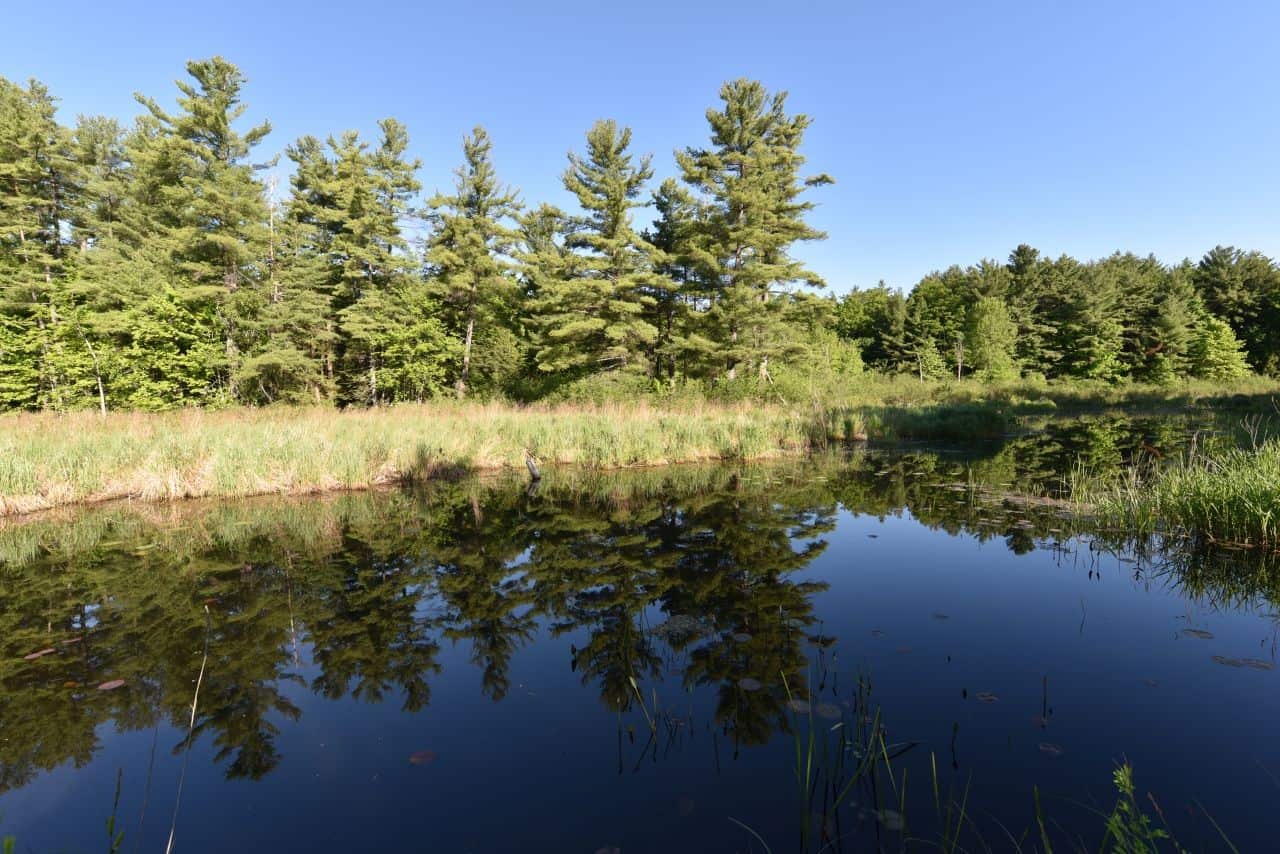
<point x="1230" y="496"/>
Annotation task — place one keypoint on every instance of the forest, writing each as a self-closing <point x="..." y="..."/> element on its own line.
<point x="152" y="266"/>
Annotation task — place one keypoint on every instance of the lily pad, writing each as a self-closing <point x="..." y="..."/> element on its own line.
<point x="1228" y="662"/>
<point x="829" y="711"/>
<point x="1197" y="633"/>
<point x="748" y="684"/>
<point x="422" y="757"/>
<point x="986" y="697"/>
<point x="1257" y="664"/>
<point x="111" y="685"/>
<point x="1048" y="748"/>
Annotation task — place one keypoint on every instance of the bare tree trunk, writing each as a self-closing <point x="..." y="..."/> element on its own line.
<point x="461" y="385"/>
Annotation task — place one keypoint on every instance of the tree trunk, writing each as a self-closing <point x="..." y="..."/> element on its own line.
<point x="373" y="380"/>
<point x="461" y="385"/>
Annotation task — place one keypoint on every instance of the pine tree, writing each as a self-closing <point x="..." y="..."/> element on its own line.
<point x="39" y="184"/>
<point x="592" y="319"/>
<point x="195" y="195"/>
<point x="344" y="220"/>
<point x="469" y="255"/>
<point x="1216" y="352"/>
<point x="750" y="215"/>
<point x="672" y="306"/>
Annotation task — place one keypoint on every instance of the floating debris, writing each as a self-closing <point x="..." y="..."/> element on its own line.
<point x="1197" y="633"/>
<point x="799" y="706"/>
<point x="986" y="697"/>
<point x="422" y="757"/>
<point x="829" y="711"/>
<point x="112" y="685"/>
<point x="1229" y="662"/>
<point x="34" y="655"/>
<point x="1048" y="748"/>
<point x="748" y="684"/>
<point x="1257" y="664"/>
<point x="681" y="627"/>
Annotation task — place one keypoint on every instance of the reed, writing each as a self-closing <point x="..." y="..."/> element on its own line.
<point x="1228" y="497"/>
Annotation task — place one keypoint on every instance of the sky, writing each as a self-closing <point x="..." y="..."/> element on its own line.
<point x="955" y="131"/>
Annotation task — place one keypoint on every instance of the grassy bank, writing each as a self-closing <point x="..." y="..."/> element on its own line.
<point x="1230" y="497"/>
<point x="52" y="460"/>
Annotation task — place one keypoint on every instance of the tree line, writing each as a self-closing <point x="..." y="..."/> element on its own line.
<point x="154" y="266"/>
<point x="1120" y="318"/>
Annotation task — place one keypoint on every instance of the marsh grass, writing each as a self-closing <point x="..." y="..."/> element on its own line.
<point x="50" y="460"/>
<point x="1229" y="497"/>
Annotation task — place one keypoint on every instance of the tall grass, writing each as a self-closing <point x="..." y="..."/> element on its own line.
<point x="50" y="460"/>
<point x="1230" y="496"/>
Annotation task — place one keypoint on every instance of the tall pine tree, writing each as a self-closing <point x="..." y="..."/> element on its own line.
<point x="469" y="257"/>
<point x="750" y="216"/>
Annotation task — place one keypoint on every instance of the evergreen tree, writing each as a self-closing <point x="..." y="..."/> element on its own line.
<point x="1216" y="353"/>
<point x="38" y="186"/>
<point x="592" y="319"/>
<point x="345" y="216"/>
<point x="750" y="215"/>
<point x="1243" y="288"/>
<point x="198" y="197"/>
<point x="469" y="255"/>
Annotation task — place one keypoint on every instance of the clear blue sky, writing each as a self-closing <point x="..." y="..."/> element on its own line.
<point x="955" y="130"/>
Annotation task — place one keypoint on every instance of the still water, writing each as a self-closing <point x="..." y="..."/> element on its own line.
<point x="683" y="659"/>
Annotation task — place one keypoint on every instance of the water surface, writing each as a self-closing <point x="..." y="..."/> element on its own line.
<point x="622" y="660"/>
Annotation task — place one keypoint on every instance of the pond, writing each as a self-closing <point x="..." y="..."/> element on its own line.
<point x="881" y="650"/>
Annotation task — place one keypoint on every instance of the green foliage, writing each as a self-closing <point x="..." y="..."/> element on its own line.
<point x="595" y="315"/>
<point x="151" y="267"/>
<point x="1216" y="353"/>
<point x="990" y="338"/>
<point x="748" y="213"/>
<point x="1129" y="829"/>
<point x="468" y="258"/>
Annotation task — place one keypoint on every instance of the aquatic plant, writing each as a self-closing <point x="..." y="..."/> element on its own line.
<point x="1228" y="497"/>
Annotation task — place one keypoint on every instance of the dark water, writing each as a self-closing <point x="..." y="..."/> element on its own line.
<point x="453" y="670"/>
